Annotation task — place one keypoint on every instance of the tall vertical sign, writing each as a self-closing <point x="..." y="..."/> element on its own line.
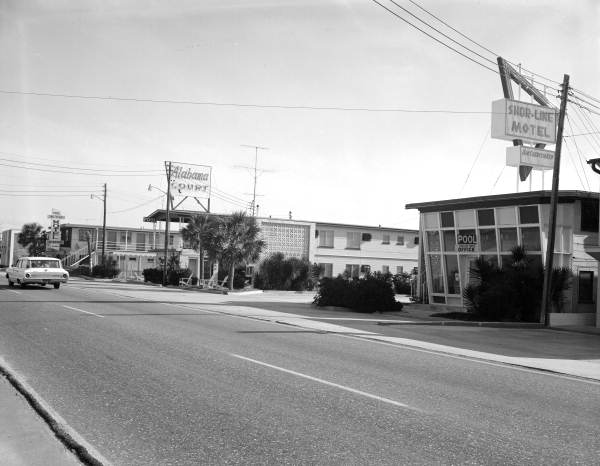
<point x="53" y="238"/>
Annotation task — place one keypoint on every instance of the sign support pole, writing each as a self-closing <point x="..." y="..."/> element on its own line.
<point x="104" y="228"/>
<point x="167" y="222"/>
<point x="553" y="205"/>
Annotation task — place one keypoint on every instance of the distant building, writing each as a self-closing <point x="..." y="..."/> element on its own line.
<point x="10" y="249"/>
<point x="453" y="233"/>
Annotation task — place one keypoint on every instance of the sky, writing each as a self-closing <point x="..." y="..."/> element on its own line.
<point x="359" y="112"/>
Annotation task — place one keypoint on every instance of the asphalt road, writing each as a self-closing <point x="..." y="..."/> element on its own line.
<point x="174" y="378"/>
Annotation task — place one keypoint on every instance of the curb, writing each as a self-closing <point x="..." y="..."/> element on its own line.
<point x="462" y="323"/>
<point x="62" y="432"/>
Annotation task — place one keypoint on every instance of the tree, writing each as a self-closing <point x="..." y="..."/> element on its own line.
<point x="33" y="239"/>
<point x="236" y="241"/>
<point x="201" y="233"/>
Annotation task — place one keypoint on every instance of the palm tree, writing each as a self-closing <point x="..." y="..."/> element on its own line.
<point x="32" y="238"/>
<point x="237" y="241"/>
<point x="201" y="232"/>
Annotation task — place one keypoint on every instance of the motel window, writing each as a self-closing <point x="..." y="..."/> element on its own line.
<point x="452" y="275"/>
<point x="83" y="234"/>
<point x="586" y="286"/>
<point x="171" y="239"/>
<point x="353" y="240"/>
<point x="385" y="269"/>
<point x="352" y="270"/>
<point x="111" y="239"/>
<point x="449" y="241"/>
<point x="399" y="269"/>
<point x="326" y="270"/>
<point x="589" y="215"/>
<point x="488" y="240"/>
<point x="386" y="239"/>
<point x="529" y="214"/>
<point x="485" y="217"/>
<point x="491" y="259"/>
<point x="125" y="237"/>
<point x="140" y="241"/>
<point x="508" y="238"/>
<point x="531" y="239"/>
<point x="400" y="240"/>
<point x="325" y="238"/>
<point x="433" y="241"/>
<point x="447" y="219"/>
<point x="437" y="277"/>
<point x="365" y="269"/>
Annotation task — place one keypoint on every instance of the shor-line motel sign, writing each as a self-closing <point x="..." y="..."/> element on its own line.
<point x="512" y="119"/>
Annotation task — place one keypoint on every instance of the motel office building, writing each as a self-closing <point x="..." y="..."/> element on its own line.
<point x="453" y="233"/>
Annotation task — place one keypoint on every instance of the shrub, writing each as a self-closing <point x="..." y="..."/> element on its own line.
<point x="239" y="277"/>
<point x="153" y="275"/>
<point x="108" y="270"/>
<point x="279" y="273"/>
<point x="173" y="276"/>
<point x="402" y="283"/>
<point x="80" y="270"/>
<point x="372" y="293"/>
<point x="513" y="292"/>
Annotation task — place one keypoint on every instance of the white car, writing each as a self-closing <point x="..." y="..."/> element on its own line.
<point x="40" y="270"/>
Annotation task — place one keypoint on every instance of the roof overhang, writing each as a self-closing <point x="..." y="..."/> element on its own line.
<point x="501" y="200"/>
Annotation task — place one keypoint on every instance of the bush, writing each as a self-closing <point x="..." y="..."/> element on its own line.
<point x="279" y="273"/>
<point x="514" y="291"/>
<point x="239" y="277"/>
<point x="402" y="283"/>
<point x="372" y="293"/>
<point x="108" y="270"/>
<point x="153" y="275"/>
<point x="80" y="270"/>
<point x="173" y="276"/>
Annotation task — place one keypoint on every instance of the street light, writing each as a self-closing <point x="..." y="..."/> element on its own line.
<point x="103" y="199"/>
<point x="167" y="219"/>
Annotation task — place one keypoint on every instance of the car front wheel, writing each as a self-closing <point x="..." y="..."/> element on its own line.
<point x="11" y="283"/>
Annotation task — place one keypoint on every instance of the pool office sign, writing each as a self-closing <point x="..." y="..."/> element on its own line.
<point x="466" y="241"/>
<point x="190" y="180"/>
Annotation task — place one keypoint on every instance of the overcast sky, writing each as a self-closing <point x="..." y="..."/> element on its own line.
<point x="347" y="166"/>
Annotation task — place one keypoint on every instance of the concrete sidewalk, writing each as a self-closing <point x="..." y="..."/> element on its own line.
<point x="25" y="439"/>
<point x="575" y="353"/>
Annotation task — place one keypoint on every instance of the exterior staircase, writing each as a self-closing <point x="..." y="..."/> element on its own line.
<point x="76" y="257"/>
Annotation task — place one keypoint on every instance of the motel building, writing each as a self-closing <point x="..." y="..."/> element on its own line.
<point x="337" y="248"/>
<point x="453" y="233"/>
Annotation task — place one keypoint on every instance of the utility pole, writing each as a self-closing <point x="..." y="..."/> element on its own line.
<point x="104" y="228"/>
<point x="167" y="222"/>
<point x="255" y="172"/>
<point x="553" y="204"/>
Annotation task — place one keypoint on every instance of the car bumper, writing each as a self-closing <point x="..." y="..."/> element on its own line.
<point x="43" y="281"/>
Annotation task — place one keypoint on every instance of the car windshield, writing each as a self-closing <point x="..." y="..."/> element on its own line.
<point x="44" y="264"/>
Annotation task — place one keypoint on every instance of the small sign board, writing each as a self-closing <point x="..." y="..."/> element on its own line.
<point x="466" y="241"/>
<point x="538" y="159"/>
<point x="512" y="119"/>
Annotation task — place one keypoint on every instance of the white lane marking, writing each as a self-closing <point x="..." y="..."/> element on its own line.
<point x="325" y="382"/>
<point x="81" y="310"/>
<point x="14" y="291"/>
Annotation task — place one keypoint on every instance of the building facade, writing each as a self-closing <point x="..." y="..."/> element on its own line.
<point x="10" y="249"/>
<point x="357" y="249"/>
<point x="453" y="233"/>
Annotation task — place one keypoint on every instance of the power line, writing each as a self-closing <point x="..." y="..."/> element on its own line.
<point x="245" y="105"/>
<point x="493" y="70"/>
<point x="74" y="172"/>
<point x="578" y="153"/>
<point x="493" y="62"/>
<point x="77" y="168"/>
<point x="137" y="206"/>
<point x="476" y="158"/>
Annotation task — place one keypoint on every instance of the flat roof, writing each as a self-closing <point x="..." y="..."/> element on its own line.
<point x="501" y="200"/>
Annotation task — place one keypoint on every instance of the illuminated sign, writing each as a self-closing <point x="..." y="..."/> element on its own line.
<point x="512" y="119"/>
<point x="538" y="159"/>
<point x="466" y="241"/>
<point x="190" y="180"/>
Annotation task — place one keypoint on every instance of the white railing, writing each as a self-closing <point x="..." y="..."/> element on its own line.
<point x="76" y="257"/>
